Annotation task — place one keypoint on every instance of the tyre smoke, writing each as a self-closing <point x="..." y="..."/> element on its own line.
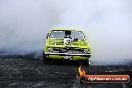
<point x="107" y="24"/>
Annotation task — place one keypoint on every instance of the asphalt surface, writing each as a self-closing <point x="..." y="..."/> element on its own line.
<point x="32" y="73"/>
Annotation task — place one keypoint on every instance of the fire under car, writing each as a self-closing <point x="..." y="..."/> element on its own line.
<point x="67" y="44"/>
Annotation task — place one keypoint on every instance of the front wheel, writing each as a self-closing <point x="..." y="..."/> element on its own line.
<point x="86" y="62"/>
<point x="45" y="60"/>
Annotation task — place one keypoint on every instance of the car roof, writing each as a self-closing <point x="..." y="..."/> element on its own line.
<point x="62" y="28"/>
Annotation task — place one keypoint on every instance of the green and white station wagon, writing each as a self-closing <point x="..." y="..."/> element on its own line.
<point x="67" y="43"/>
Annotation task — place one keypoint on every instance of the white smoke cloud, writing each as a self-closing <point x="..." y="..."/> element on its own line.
<point x="107" y="24"/>
<point x="23" y="24"/>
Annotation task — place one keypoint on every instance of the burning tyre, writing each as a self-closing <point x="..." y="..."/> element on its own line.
<point x="67" y="44"/>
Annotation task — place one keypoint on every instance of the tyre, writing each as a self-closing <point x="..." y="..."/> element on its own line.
<point x="86" y="62"/>
<point x="45" y="60"/>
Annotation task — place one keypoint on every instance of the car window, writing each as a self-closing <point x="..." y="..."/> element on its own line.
<point x="57" y="34"/>
<point x="77" y="34"/>
<point x="61" y="34"/>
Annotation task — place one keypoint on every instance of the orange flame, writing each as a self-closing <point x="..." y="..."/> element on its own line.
<point x="81" y="71"/>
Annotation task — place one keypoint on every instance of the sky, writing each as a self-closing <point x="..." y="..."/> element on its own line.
<point x="106" y="23"/>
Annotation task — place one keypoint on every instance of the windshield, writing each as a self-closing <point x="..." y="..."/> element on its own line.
<point x="60" y="34"/>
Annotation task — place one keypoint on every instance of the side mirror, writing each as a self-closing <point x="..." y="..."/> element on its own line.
<point x="75" y="39"/>
<point x="47" y="35"/>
